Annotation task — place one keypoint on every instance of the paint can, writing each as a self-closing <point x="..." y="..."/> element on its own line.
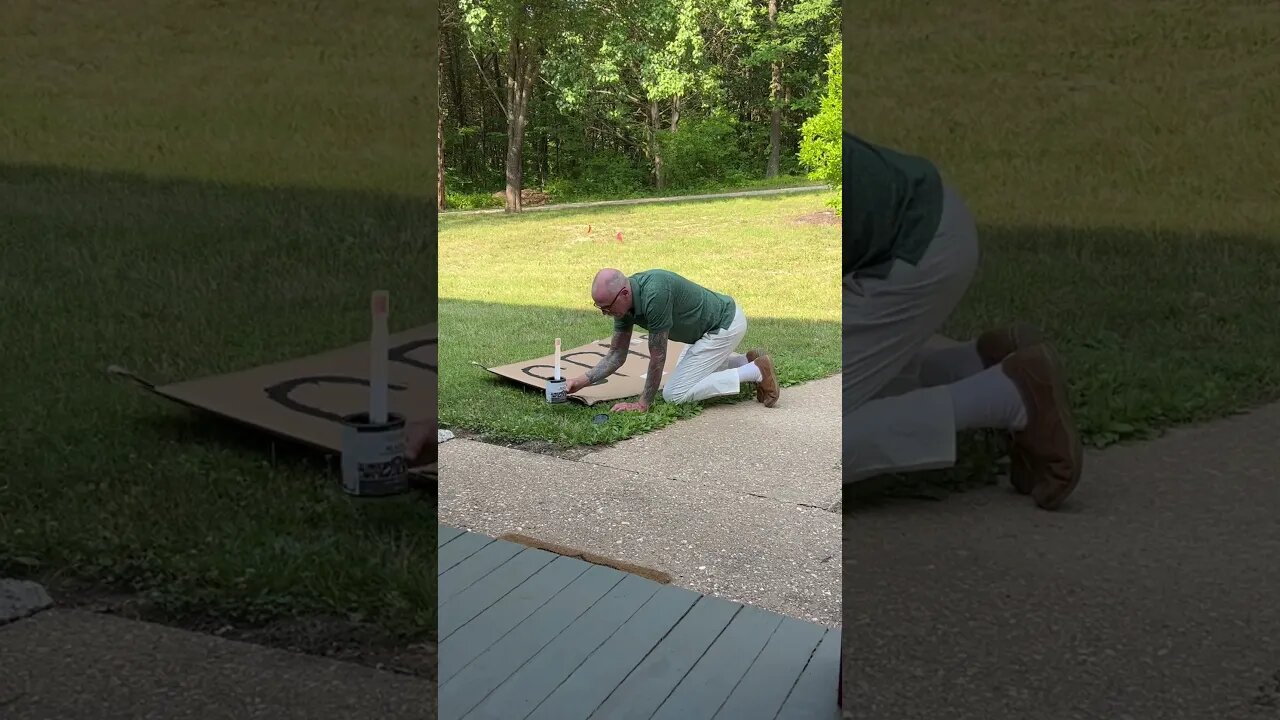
<point x="557" y="391"/>
<point x="373" y="462"/>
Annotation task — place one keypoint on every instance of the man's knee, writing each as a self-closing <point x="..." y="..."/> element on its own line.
<point x="675" y="394"/>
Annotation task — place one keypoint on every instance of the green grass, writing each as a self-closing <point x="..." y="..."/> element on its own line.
<point x="479" y="201"/>
<point x="1124" y="166"/>
<point x="191" y="188"/>
<point x="510" y="285"/>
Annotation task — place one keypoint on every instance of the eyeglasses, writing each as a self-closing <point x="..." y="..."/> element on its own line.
<point x="605" y="308"/>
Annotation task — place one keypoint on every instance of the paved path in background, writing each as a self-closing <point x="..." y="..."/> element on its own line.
<point x="74" y="665"/>
<point x="646" y="201"/>
<point x="734" y="503"/>
<point x="1154" y="593"/>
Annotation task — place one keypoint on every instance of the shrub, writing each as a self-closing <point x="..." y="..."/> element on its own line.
<point x="821" y="134"/>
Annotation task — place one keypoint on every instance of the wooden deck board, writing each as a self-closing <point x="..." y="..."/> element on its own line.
<point x="464" y="574"/>
<point x="774" y="673"/>
<point x="529" y="635"/>
<point x="597" y="587"/>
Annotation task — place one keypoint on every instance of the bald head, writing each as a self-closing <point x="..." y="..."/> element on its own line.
<point x="606" y="290"/>
<point x="606" y="285"/>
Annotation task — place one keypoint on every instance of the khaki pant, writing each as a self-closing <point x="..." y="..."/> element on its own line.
<point x="887" y="324"/>
<point x="702" y="372"/>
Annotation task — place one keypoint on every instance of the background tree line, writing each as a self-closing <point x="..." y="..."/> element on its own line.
<point x="590" y="99"/>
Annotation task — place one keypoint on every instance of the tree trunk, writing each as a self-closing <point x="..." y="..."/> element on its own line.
<point x="520" y="79"/>
<point x="544" y="142"/>
<point x="675" y="112"/>
<point x="440" y="201"/>
<point x="775" y="102"/>
<point x="655" y="152"/>
<point x="456" y="85"/>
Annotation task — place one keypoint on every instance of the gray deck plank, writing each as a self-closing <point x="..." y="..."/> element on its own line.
<point x="445" y="533"/>
<point x="516" y="697"/>
<point x="459" y="549"/>
<point x="488" y="627"/>
<point x="476" y="599"/>
<point x="712" y="680"/>
<point x="462" y="575"/>
<point x="814" y="695"/>
<point x="592" y="682"/>
<point x="466" y="689"/>
<point x="767" y="684"/>
<point x="649" y="684"/>
<point x="526" y="634"/>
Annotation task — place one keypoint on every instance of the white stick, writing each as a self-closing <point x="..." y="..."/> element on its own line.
<point x="557" y="359"/>
<point x="378" y="343"/>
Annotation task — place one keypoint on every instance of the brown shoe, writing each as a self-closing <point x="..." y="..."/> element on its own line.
<point x="1049" y="446"/>
<point x="993" y="347"/>
<point x="767" y="389"/>
<point x="751" y="357"/>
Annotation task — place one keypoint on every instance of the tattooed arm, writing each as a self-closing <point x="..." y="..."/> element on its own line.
<point x="657" y="363"/>
<point x="619" y="346"/>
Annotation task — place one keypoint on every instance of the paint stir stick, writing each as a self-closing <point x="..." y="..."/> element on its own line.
<point x="378" y="343"/>
<point x="557" y="359"/>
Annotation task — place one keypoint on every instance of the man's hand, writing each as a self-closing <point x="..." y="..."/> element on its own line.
<point x="421" y="443"/>
<point x="631" y="407"/>
<point x="574" y="384"/>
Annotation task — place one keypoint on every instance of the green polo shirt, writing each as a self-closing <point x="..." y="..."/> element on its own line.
<point x="892" y="204"/>
<point x="662" y="300"/>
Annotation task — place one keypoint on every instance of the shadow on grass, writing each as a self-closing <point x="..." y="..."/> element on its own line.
<point x="179" y="279"/>
<point x="1158" y="329"/>
<point x="478" y="335"/>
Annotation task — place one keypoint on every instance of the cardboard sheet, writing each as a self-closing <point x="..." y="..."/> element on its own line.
<point x="626" y="383"/>
<point x="304" y="399"/>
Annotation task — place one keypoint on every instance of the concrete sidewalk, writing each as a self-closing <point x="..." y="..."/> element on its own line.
<point x="733" y="503"/>
<point x="74" y="665"/>
<point x="1152" y="594"/>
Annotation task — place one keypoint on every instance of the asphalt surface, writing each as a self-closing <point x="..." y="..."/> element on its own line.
<point x="1153" y="594"/>
<point x="734" y="503"/>
<point x="72" y="665"/>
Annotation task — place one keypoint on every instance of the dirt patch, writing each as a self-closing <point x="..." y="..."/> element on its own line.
<point x="330" y="637"/>
<point x="593" y="558"/>
<point x="541" y="447"/>
<point x="822" y="217"/>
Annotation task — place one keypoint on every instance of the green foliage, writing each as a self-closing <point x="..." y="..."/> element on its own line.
<point x="705" y="63"/>
<point x="605" y="174"/>
<point x="470" y="201"/>
<point x="820" y="145"/>
<point x="705" y="150"/>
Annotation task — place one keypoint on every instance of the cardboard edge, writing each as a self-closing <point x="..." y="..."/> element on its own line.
<point x="429" y="473"/>
<point x="579" y="398"/>
<point x="164" y="391"/>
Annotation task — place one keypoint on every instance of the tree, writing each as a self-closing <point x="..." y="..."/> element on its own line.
<point x="820" y="146"/>
<point x="528" y="29"/>
<point x="791" y="37"/>
<point x="651" y="53"/>
<point x="625" y="96"/>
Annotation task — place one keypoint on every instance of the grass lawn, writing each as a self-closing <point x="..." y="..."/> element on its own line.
<point x="477" y="201"/>
<point x="510" y="285"/>
<point x="189" y="188"/>
<point x="1124" y="166"/>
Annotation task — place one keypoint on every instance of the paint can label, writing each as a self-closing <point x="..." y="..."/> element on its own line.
<point x="373" y="462"/>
